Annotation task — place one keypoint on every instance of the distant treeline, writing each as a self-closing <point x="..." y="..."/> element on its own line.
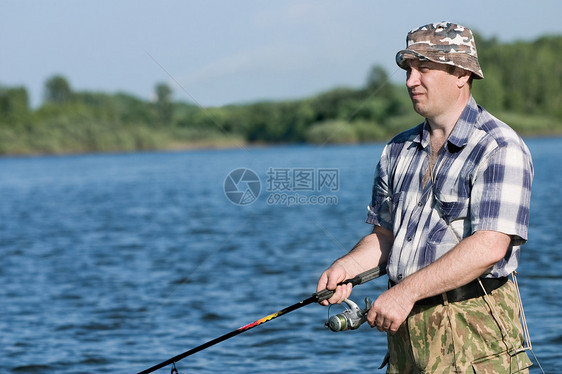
<point x="522" y="86"/>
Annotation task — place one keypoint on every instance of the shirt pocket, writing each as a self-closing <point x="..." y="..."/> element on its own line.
<point x="452" y="209"/>
<point x="455" y="223"/>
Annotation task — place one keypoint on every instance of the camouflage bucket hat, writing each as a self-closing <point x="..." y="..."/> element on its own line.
<point x="444" y="43"/>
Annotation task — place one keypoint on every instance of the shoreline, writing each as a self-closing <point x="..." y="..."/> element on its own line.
<point x="217" y="145"/>
<point x="205" y="146"/>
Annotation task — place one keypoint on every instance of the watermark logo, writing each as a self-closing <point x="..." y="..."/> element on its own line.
<point x="285" y="186"/>
<point x="302" y="186"/>
<point x="302" y="179"/>
<point x="242" y="186"/>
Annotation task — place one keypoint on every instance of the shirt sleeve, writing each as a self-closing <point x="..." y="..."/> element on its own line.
<point x="501" y="193"/>
<point x="380" y="211"/>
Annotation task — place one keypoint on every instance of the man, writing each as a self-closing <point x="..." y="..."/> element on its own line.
<point x="450" y="209"/>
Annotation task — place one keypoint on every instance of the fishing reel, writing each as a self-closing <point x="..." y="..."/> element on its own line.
<point x="351" y="318"/>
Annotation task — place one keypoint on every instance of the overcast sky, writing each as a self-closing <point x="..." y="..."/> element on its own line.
<point x="217" y="52"/>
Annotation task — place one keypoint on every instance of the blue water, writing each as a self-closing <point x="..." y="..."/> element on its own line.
<point x="114" y="263"/>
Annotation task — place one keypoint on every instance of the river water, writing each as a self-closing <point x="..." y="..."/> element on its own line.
<point x="113" y="263"/>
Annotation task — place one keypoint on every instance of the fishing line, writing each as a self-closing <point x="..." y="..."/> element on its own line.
<point x="374" y="93"/>
<point x="215" y="122"/>
<point x="371" y="95"/>
<point x="527" y="335"/>
<point x="207" y="113"/>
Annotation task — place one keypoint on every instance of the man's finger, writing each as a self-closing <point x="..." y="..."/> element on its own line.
<point x="371" y="316"/>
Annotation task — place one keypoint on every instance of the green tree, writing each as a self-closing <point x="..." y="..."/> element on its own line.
<point x="57" y="90"/>
<point x="14" y="104"/>
<point x="378" y="83"/>
<point x="164" y="105"/>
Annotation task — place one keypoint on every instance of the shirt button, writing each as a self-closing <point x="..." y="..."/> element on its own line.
<point x="419" y="203"/>
<point x="399" y="276"/>
<point x="409" y="238"/>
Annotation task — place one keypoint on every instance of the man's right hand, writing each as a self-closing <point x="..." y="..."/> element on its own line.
<point x="329" y="280"/>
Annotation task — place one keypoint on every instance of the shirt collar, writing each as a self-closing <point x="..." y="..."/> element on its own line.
<point x="461" y="132"/>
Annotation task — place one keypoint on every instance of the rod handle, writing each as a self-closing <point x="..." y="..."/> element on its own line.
<point x="355" y="281"/>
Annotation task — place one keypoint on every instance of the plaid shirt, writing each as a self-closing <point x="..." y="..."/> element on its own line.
<point x="481" y="181"/>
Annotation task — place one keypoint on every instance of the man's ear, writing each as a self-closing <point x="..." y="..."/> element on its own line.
<point x="463" y="76"/>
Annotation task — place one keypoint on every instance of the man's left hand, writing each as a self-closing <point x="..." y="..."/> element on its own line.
<point x="391" y="309"/>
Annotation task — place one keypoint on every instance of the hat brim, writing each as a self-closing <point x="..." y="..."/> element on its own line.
<point x="467" y="62"/>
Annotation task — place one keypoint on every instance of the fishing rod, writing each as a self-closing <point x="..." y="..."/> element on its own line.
<point x="315" y="298"/>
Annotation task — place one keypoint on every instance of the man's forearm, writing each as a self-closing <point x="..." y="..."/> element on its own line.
<point x="370" y="251"/>
<point x="464" y="263"/>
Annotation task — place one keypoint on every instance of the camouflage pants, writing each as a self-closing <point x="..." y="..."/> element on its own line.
<point x="480" y="335"/>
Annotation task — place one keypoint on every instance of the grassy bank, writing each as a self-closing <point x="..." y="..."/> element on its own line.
<point x="65" y="138"/>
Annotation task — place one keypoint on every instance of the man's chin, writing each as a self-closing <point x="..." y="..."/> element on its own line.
<point x="419" y="109"/>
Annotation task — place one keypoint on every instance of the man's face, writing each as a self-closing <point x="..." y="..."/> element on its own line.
<point x="432" y="87"/>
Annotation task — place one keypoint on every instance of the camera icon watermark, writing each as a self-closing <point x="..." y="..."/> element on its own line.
<point x="242" y="186"/>
<point x="284" y="186"/>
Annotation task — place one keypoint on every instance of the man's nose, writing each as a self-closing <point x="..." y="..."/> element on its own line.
<point x="412" y="78"/>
